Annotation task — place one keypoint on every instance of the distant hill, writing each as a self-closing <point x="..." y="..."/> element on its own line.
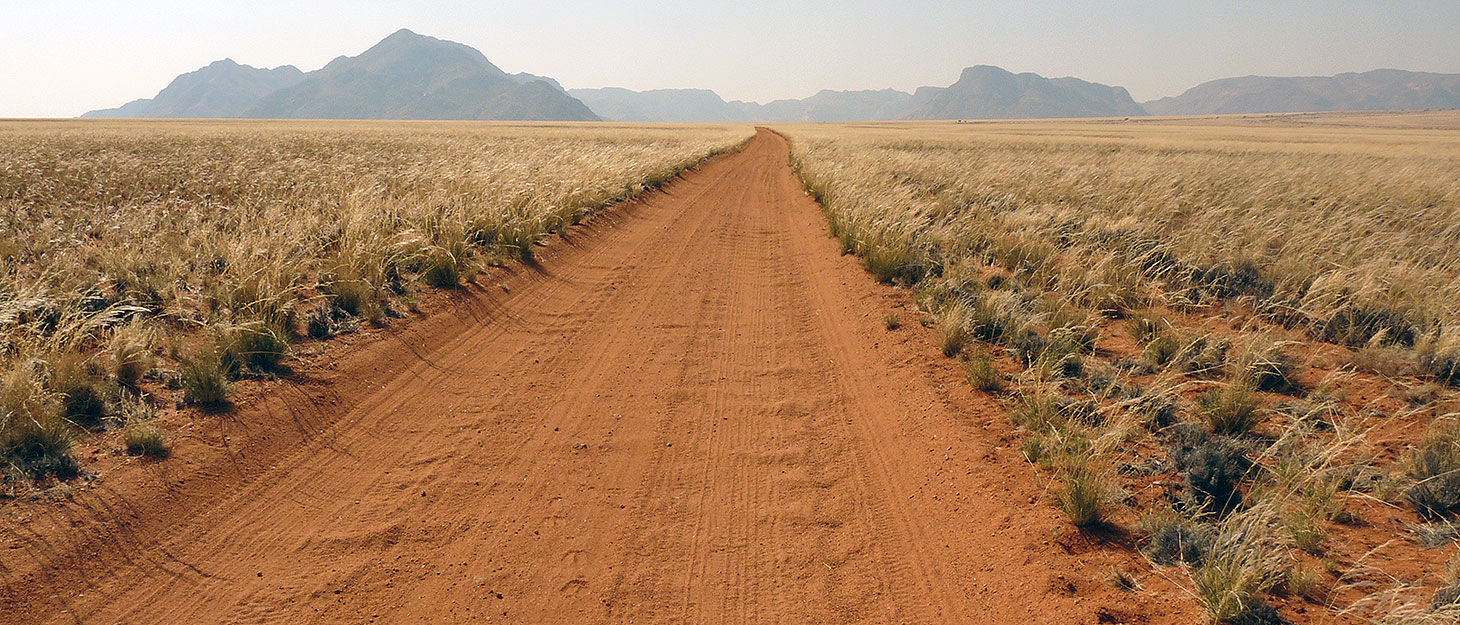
<point x="982" y="92"/>
<point x="656" y="105"/>
<point x="987" y="92"/>
<point x="703" y="105"/>
<point x="841" y="106"/>
<point x="1378" y="90"/>
<point x="410" y="76"/>
<point x="405" y="76"/>
<point x="222" y="89"/>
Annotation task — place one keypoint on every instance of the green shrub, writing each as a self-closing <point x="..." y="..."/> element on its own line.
<point x="1171" y="540"/>
<point x="1212" y="468"/>
<point x="891" y="321"/>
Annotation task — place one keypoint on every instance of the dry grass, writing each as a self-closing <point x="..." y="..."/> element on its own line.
<point x="123" y="236"/>
<point x="1165" y="283"/>
<point x="1350" y="231"/>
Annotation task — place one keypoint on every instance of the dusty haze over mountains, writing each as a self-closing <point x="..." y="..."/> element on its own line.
<point x="62" y="58"/>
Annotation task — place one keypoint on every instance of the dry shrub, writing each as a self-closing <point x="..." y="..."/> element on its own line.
<point x="1435" y="469"/>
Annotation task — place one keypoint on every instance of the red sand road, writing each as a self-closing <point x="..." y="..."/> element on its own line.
<point x="692" y="416"/>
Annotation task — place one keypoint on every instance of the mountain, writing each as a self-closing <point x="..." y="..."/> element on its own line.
<point x="987" y="92"/>
<point x="222" y="89"/>
<point x="982" y="92"/>
<point x="842" y="106"/>
<point x="410" y="76"/>
<point x="656" y="105"/>
<point x="405" y="76"/>
<point x="525" y="77"/>
<point x="703" y="105"/>
<point x="1381" y="89"/>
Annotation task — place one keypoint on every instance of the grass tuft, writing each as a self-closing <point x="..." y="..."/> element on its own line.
<point x="256" y="346"/>
<point x="1086" y="497"/>
<point x="1435" y="471"/>
<point x="39" y="448"/>
<point x="1232" y="409"/>
<point x="982" y="374"/>
<point x="953" y="331"/>
<point x="204" y="381"/>
<point x="145" y="440"/>
<point x="83" y="390"/>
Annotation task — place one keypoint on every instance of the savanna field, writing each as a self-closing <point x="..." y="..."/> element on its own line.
<point x="188" y="254"/>
<point x="1228" y="345"/>
<point x="1237" y="337"/>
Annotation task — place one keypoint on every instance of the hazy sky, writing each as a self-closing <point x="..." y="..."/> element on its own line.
<point x="64" y="57"/>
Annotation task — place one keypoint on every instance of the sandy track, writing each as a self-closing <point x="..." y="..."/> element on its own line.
<point x="694" y="416"/>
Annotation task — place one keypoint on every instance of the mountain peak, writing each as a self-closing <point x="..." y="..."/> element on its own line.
<point x="405" y="34"/>
<point x="981" y="71"/>
<point x="412" y="76"/>
<point x="989" y="92"/>
<point x="404" y="76"/>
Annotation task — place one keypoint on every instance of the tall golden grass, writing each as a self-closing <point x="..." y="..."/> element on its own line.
<point x="1349" y="228"/>
<point x="1041" y="239"/>
<point x="120" y="236"/>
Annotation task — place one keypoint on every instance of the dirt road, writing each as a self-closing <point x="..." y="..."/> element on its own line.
<point x="692" y="414"/>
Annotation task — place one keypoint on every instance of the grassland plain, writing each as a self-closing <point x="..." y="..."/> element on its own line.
<point x="687" y="410"/>
<point x="1236" y="337"/>
<point x="148" y="263"/>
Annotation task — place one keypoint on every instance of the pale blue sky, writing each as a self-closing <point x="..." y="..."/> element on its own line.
<point x="64" y="57"/>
